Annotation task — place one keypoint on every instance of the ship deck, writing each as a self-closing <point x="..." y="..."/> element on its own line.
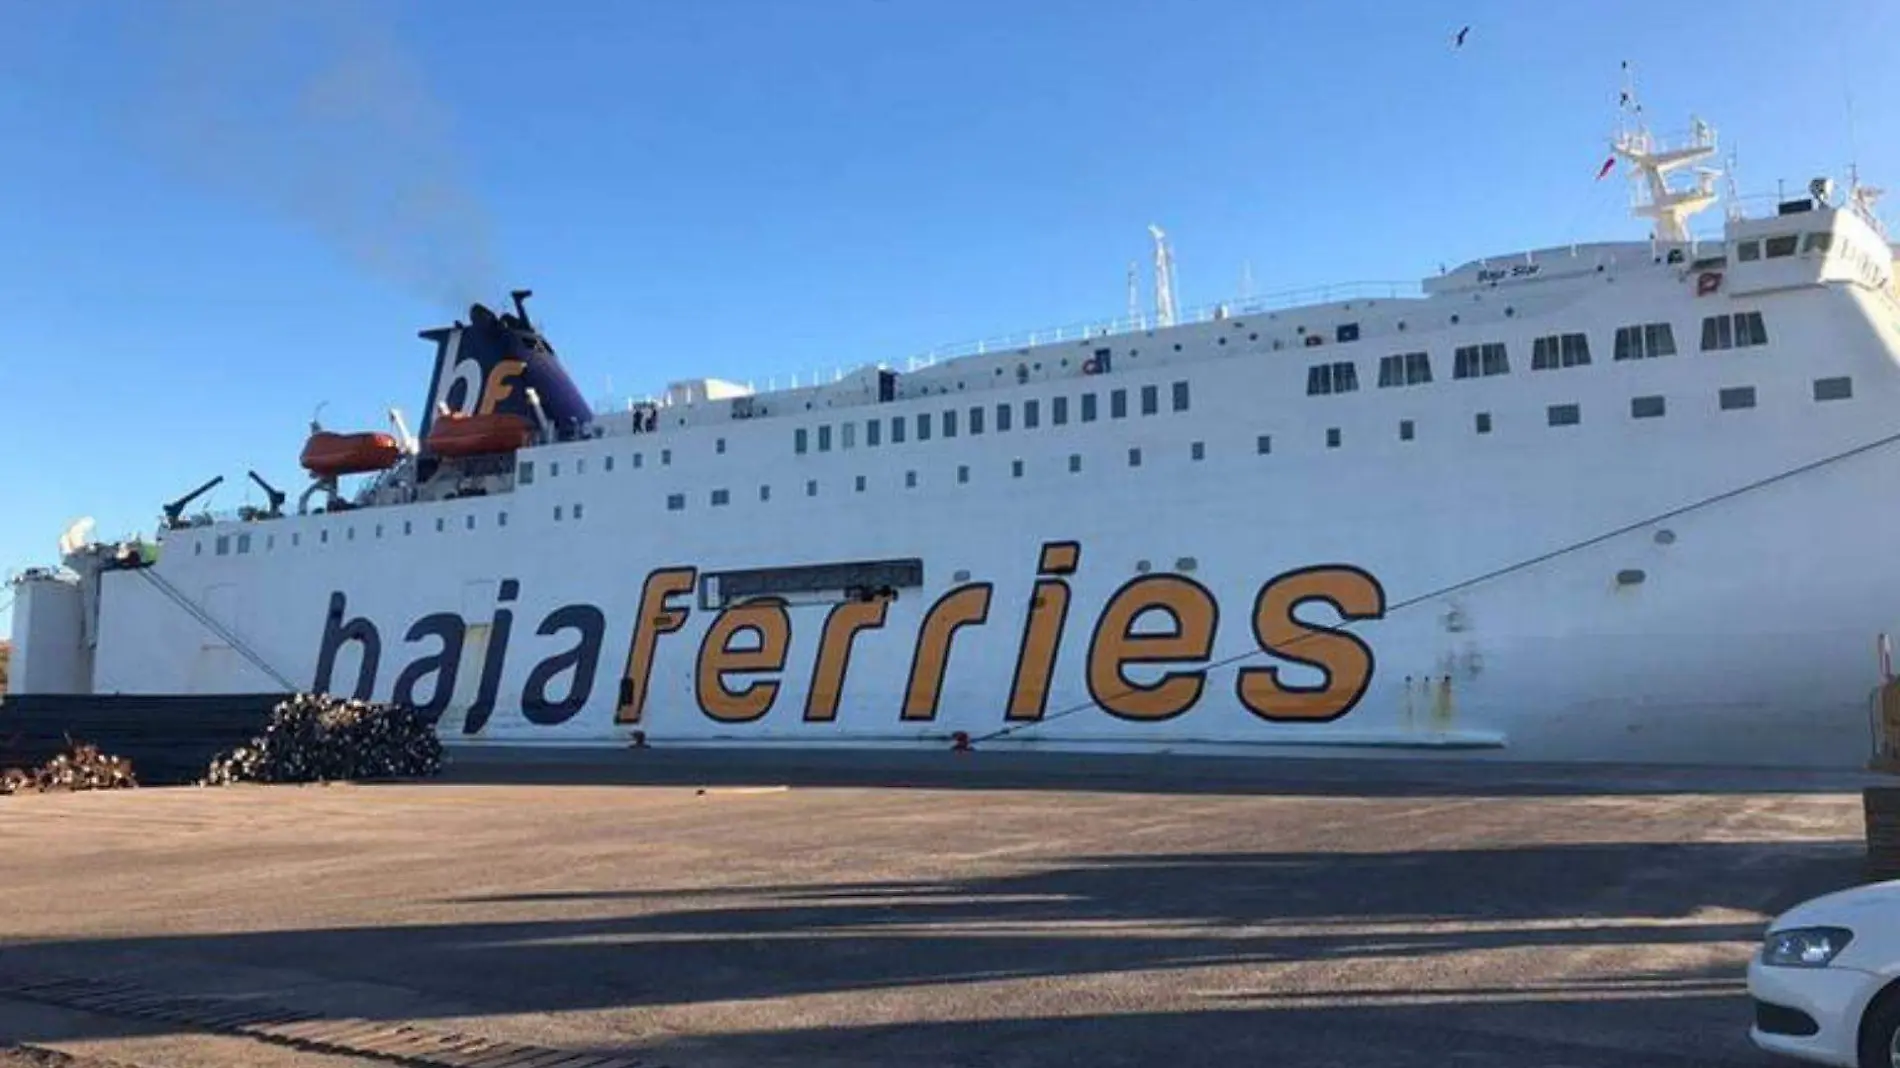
<point x="792" y="909"/>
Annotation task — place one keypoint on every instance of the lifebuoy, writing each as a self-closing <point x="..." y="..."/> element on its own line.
<point x="1090" y="367"/>
<point x="1707" y="282"/>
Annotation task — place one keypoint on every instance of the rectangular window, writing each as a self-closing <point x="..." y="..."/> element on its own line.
<point x="950" y="423"/>
<point x="1747" y="251"/>
<point x="765" y="493"/>
<point x="1118" y="404"/>
<point x="554" y="469"/>
<point x="243" y="544"/>
<point x="719" y="445"/>
<point x="897" y="429"/>
<point x="1059" y="411"/>
<point x="1749" y="329"/>
<point x="1559" y="350"/>
<point x="1075" y="462"/>
<point x="666" y="457"/>
<point x="638" y="458"/>
<point x="501" y="520"/>
<point x="1576" y="350"/>
<point x="607" y="461"/>
<point x="824" y="438"/>
<point x="1483" y="422"/>
<point x="1002" y="418"/>
<point x="811" y="487"/>
<point x="1150" y="400"/>
<point x="1646" y="407"/>
<point x="1325" y="378"/>
<point x="858" y="484"/>
<point x="1404" y="369"/>
<point x="1332" y="437"/>
<point x="1088" y="407"/>
<point x="847" y="436"/>
<point x="1134" y="457"/>
<point x="1032" y="414"/>
<point x="1781" y="245"/>
<point x="963" y="472"/>
<point x="1180" y="396"/>
<point x="524" y="473"/>
<point x="1658" y="339"/>
<point x="1544" y="353"/>
<point x="469" y="521"/>
<point x="1827" y="389"/>
<point x="1346" y="332"/>
<point x="557" y="516"/>
<point x="1476" y="361"/>
<point x="910" y="480"/>
<point x="580" y="465"/>
<point x="719" y="498"/>
<point x="873" y="432"/>
<point x="1737" y="397"/>
<point x="1197" y="451"/>
<point x="1563" y="415"/>
<point x="1015" y="469"/>
<point x="1418" y="369"/>
<point x="1406" y="430"/>
<point x="676" y="502"/>
<point x="976" y="420"/>
<point x="1718" y="332"/>
<point x="1263" y="444"/>
<point x="1820" y="242"/>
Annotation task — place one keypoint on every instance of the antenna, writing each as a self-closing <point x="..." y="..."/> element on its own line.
<point x="1164" y="277"/>
<point x="1134" y="294"/>
<point x="1652" y="163"/>
<point x="1246" y="279"/>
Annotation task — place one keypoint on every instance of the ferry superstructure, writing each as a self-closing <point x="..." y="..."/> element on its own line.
<point x="1624" y="500"/>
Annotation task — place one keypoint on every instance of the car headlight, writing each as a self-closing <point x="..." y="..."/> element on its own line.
<point x="1805" y="947"/>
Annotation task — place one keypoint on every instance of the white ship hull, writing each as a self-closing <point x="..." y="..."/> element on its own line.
<point x="1707" y="585"/>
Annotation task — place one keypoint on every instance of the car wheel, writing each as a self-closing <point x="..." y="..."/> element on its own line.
<point x="1880" y="1032"/>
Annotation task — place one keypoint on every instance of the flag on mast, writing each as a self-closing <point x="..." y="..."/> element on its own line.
<point x="1608" y="165"/>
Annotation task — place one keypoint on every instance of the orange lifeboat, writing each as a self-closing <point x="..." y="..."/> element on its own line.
<point x="328" y="455"/>
<point x="478" y="435"/>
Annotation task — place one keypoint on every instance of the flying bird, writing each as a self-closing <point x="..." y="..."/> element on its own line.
<point x="1459" y="41"/>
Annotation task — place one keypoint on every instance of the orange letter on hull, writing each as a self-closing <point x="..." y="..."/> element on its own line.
<point x="834" y="654"/>
<point x="958" y="608"/>
<point x="1042" y="632"/>
<point x="1116" y="644"/>
<point x="656" y="618"/>
<point x="765" y="617"/>
<point x="1345" y="660"/>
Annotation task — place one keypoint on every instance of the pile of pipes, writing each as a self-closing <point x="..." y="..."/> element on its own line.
<point x="319" y="738"/>
<point x="81" y="767"/>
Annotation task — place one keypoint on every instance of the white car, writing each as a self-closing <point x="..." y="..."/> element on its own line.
<point x="1826" y="980"/>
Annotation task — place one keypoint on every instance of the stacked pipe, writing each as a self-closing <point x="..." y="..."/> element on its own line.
<point x="318" y="738"/>
<point x="81" y="767"/>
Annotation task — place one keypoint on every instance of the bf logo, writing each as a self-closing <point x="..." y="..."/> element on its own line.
<point x="467" y="387"/>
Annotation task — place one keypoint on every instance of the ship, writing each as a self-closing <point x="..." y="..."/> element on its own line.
<point x="1614" y="501"/>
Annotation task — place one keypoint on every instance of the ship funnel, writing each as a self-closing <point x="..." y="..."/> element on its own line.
<point x="490" y="364"/>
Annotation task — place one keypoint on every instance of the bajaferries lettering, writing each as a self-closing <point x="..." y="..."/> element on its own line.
<point x="740" y="666"/>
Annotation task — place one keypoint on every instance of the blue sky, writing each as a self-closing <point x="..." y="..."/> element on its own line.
<point x="201" y="239"/>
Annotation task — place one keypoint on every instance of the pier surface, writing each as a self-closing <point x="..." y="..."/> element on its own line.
<point x="791" y="910"/>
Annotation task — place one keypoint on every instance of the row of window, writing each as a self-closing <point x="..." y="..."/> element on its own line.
<point x="1557" y="415"/>
<point x="948" y="422"/>
<point x="1549" y="353"/>
<point x="1781" y="245"/>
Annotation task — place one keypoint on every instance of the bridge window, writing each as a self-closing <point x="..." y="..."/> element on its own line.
<point x="1180" y="396"/>
<point x="1644" y="341"/>
<point x="1646" y="407"/>
<point x="1480" y="361"/>
<point x="1404" y="369"/>
<point x="1781" y="245"/>
<point x="1737" y="331"/>
<point x="1150" y="400"/>
<point x="1560" y="350"/>
<point x="1820" y="241"/>
<point x="1326" y="378"/>
<point x="1736" y="397"/>
<point x="1563" y="415"/>
<point x="676" y="502"/>
<point x="1747" y="251"/>
<point x="1827" y="389"/>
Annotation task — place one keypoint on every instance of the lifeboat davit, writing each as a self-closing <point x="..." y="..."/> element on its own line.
<point x="478" y="435"/>
<point x="328" y="454"/>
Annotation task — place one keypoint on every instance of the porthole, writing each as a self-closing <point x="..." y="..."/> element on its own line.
<point x="1253" y="337"/>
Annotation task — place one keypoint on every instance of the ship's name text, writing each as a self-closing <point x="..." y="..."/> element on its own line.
<point x="741" y="664"/>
